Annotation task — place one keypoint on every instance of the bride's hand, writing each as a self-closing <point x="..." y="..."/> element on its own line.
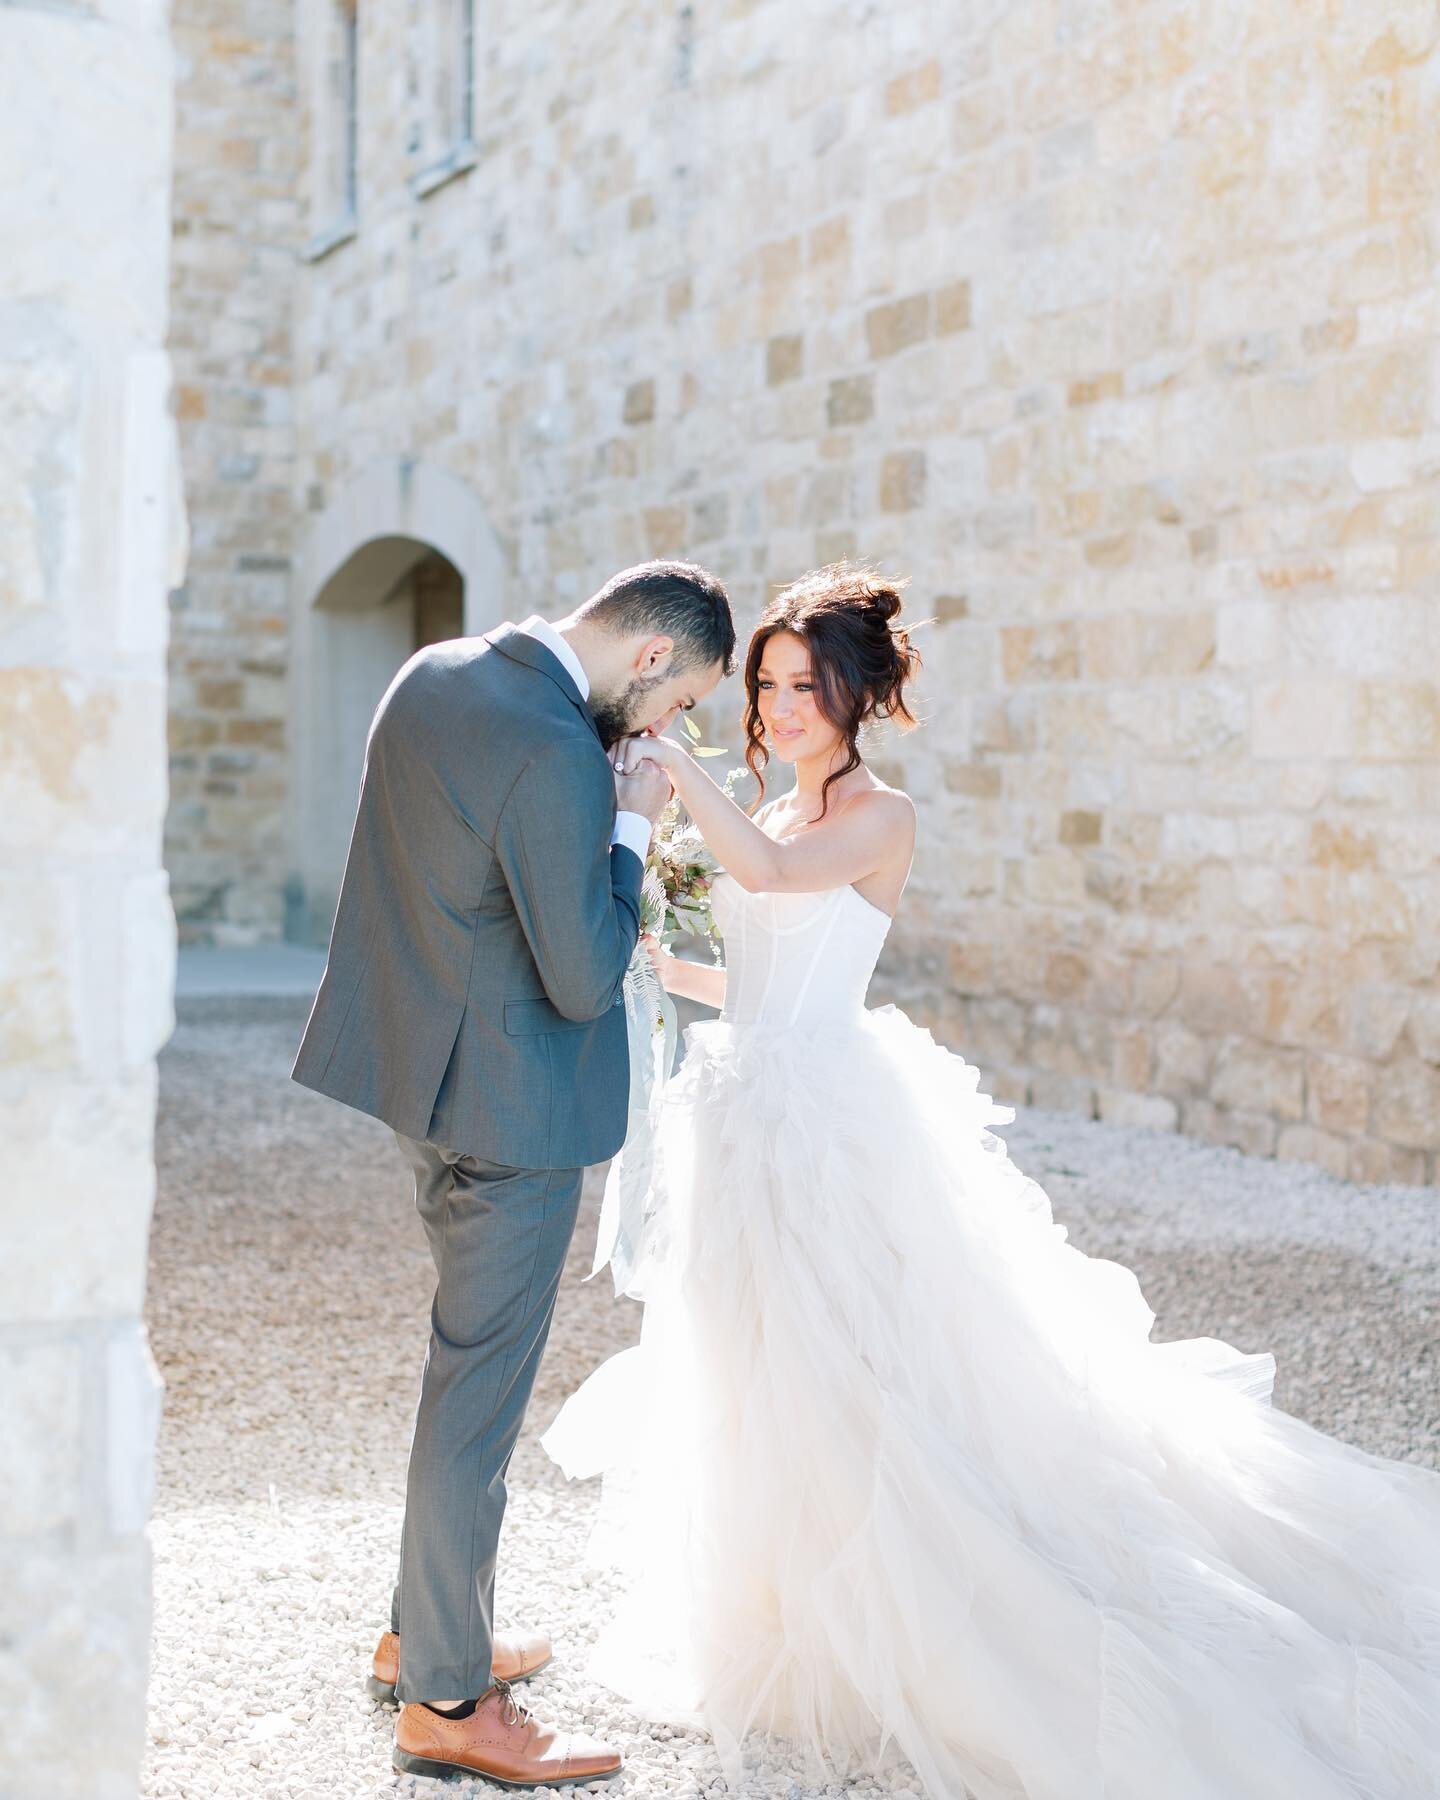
<point x="662" y="750"/>
<point x="661" y="960"/>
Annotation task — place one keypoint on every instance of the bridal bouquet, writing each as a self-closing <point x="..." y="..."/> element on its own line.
<point x="674" y="902"/>
<point x="675" y="899"/>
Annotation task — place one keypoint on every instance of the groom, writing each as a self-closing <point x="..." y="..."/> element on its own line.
<point x="472" y="1000"/>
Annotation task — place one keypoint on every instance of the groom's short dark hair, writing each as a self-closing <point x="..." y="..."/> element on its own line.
<point x="681" y="599"/>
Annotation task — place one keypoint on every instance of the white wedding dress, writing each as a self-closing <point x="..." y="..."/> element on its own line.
<point x="895" y="1471"/>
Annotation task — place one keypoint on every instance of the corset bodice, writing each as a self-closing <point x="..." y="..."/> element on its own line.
<point x="796" y="959"/>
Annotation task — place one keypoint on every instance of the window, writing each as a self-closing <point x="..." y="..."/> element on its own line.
<point x="444" y="86"/>
<point x="334" y="121"/>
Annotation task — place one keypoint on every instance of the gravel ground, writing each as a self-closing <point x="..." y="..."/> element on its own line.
<point x="289" y="1295"/>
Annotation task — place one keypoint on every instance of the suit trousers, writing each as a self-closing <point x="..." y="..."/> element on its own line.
<point x="499" y="1237"/>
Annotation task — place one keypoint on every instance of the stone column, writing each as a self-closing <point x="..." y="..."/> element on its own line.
<point x="91" y="538"/>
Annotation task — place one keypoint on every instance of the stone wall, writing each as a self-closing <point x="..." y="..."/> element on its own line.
<point x="91" y="535"/>
<point x="236" y="215"/>
<point x="1115" y="326"/>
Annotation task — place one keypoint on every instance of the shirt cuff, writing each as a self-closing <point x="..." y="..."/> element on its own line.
<point x="632" y="829"/>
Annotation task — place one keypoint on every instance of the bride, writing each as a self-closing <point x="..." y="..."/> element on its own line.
<point x="895" y="1471"/>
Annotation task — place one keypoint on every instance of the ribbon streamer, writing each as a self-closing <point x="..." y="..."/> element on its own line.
<point x="628" y="1203"/>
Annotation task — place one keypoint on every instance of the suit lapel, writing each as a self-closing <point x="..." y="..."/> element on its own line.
<point x="520" y="647"/>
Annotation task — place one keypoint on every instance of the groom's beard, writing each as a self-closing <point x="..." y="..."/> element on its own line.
<point x="624" y="713"/>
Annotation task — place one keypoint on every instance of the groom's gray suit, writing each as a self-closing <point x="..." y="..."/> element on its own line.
<point x="472" y="1000"/>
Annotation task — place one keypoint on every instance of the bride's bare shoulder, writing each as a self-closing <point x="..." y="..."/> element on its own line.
<point x="886" y="816"/>
<point x="891" y="809"/>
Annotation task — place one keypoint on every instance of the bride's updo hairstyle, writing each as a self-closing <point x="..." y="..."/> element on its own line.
<point x="860" y="660"/>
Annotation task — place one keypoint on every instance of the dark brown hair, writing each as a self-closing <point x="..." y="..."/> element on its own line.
<point x="681" y="599"/>
<point x="860" y="661"/>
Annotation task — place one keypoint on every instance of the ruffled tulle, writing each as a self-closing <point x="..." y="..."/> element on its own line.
<point x="896" y="1472"/>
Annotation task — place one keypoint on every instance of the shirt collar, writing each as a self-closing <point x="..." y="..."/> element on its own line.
<point x="546" y="633"/>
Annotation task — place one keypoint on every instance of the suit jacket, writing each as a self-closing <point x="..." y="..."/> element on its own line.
<point x="472" y="996"/>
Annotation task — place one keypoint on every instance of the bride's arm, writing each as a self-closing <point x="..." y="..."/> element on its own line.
<point x="691" y="981"/>
<point x="845" y="848"/>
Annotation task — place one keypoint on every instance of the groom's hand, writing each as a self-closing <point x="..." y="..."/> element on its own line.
<point x="641" y="785"/>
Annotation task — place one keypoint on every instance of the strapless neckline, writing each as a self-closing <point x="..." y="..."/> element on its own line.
<point x="887" y="919"/>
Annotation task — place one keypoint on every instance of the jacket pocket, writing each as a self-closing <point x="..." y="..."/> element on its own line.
<point x="525" y="1016"/>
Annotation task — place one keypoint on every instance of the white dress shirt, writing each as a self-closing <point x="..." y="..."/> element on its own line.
<point x="632" y="829"/>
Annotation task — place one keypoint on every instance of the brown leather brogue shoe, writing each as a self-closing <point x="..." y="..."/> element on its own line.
<point x="515" y="1656"/>
<point x="501" y="1740"/>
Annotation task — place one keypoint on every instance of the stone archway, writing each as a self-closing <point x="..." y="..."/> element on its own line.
<point x="404" y="557"/>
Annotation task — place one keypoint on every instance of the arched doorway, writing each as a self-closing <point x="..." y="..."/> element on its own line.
<point x="404" y="558"/>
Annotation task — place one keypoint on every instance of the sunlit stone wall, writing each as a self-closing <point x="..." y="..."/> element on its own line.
<point x="235" y="208"/>
<point x="91" y="536"/>
<point x="1115" y="325"/>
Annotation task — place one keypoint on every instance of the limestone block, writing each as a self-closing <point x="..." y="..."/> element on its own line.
<point x="1109" y="647"/>
<point x="1406" y="1105"/>
<point x="1148" y="1112"/>
<point x="1182" y="1060"/>
<point x="897" y="324"/>
<point x="902" y="481"/>
<point x="1132" y="1059"/>
<point x="1210" y="999"/>
<point x="1399" y="719"/>
<point x="1055" y="878"/>
<point x="79" y="766"/>
<point x="1080" y="828"/>
<point x="1058" y="1092"/>
<point x="978" y="116"/>
<point x="1303" y="1006"/>
<point x="1374" y="1160"/>
<point x="1384" y="396"/>
<point x="954" y="308"/>
<point x="1368" y="905"/>
<point x="1071" y="723"/>
<point x="1338" y="1090"/>
<point x="1303" y="1143"/>
<point x="75" y="1669"/>
<point x="850" y="400"/>
<point x="664" y="530"/>
<point x="42" y="384"/>
<point x="1374" y="1018"/>
<point x="1040" y="653"/>
<point x="76" y="1248"/>
<point x="639" y="405"/>
<point x="980" y="781"/>
<point x="784" y="358"/>
<point x="1338" y="845"/>
<point x="1254" y="1133"/>
<point x="1191" y="836"/>
<point x="1424" y="1024"/>
<point x="132" y="1388"/>
<point x="996" y="1029"/>
<point x="1154" y="983"/>
<point x="914" y="88"/>
<point x="39" y="957"/>
<point x="1301" y="718"/>
<point x="1382" y="465"/>
<point x="1068" y="975"/>
<point x="1136" y="721"/>
<point x="1177" y="643"/>
<point x="41" y="1426"/>
<point x="1381" y="635"/>
<point x="1212" y="718"/>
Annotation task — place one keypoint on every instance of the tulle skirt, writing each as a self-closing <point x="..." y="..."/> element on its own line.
<point x="896" y="1473"/>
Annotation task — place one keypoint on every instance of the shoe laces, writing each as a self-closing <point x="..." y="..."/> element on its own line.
<point x="512" y="1711"/>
